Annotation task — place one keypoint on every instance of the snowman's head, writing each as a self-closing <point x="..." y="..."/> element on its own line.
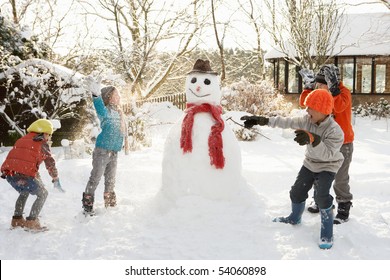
<point x="203" y="85"/>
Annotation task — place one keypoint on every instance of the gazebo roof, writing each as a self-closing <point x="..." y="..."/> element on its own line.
<point x="363" y="34"/>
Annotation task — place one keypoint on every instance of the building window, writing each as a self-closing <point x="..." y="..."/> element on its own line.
<point x="363" y="75"/>
<point x="281" y="80"/>
<point x="346" y="71"/>
<point x="382" y="75"/>
<point x="292" y="79"/>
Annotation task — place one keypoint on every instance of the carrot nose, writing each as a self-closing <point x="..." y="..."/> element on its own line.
<point x="198" y="88"/>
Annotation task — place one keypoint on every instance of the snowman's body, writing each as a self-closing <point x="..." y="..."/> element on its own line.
<point x="191" y="173"/>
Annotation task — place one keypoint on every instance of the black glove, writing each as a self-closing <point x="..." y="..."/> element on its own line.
<point x="331" y="79"/>
<point x="254" y="120"/>
<point x="304" y="137"/>
<point x="308" y="78"/>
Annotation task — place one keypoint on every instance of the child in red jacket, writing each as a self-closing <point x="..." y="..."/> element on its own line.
<point x="20" y="169"/>
<point x="328" y="77"/>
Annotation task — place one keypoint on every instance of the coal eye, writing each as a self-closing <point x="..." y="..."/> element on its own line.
<point x="207" y="82"/>
<point x="193" y="80"/>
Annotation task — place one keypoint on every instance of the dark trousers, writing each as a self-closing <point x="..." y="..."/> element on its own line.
<point x="321" y="181"/>
<point x="341" y="183"/>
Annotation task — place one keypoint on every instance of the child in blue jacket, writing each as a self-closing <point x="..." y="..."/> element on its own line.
<point x="109" y="142"/>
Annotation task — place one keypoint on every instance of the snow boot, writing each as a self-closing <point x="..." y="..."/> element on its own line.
<point x="109" y="199"/>
<point x="88" y="203"/>
<point x="326" y="238"/>
<point x="33" y="224"/>
<point x="18" y="221"/>
<point x="295" y="217"/>
<point x="313" y="208"/>
<point x="342" y="212"/>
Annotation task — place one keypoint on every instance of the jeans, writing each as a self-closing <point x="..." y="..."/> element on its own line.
<point x="322" y="182"/>
<point x="26" y="185"/>
<point x="103" y="162"/>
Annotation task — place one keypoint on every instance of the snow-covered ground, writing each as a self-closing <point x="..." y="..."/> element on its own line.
<point x="146" y="227"/>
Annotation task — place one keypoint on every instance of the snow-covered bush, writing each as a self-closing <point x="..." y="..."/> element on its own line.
<point x="37" y="89"/>
<point x="244" y="134"/>
<point x="257" y="99"/>
<point x="381" y="109"/>
<point x="137" y="119"/>
<point x="19" y="42"/>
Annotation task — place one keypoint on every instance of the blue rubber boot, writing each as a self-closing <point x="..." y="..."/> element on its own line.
<point x="295" y="217"/>
<point x="326" y="239"/>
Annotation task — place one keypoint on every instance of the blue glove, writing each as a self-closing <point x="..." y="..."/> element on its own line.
<point x="57" y="185"/>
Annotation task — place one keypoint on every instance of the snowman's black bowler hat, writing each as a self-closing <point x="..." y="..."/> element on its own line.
<point x="202" y="66"/>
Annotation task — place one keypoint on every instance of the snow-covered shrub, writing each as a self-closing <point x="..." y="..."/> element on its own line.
<point x="20" y="42"/>
<point x="381" y="109"/>
<point x="244" y="134"/>
<point x="257" y="99"/>
<point x="37" y="89"/>
<point x="137" y="119"/>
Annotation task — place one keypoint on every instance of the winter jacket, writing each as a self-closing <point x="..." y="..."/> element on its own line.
<point x="111" y="136"/>
<point x="342" y="111"/>
<point x="326" y="156"/>
<point x="26" y="156"/>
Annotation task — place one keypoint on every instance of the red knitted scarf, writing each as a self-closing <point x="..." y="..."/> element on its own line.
<point x="215" y="137"/>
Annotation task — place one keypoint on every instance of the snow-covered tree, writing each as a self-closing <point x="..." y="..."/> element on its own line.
<point x="18" y="41"/>
<point x="38" y="89"/>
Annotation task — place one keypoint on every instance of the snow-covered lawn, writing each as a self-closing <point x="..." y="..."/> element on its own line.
<point x="146" y="227"/>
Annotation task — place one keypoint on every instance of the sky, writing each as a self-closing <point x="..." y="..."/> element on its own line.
<point x="146" y="229"/>
<point x="241" y="34"/>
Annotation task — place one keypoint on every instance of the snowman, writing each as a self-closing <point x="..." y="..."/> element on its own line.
<point x="201" y="154"/>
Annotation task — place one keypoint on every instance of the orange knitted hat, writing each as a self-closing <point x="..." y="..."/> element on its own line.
<point x="320" y="100"/>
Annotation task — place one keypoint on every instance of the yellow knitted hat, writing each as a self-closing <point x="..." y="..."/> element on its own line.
<point x="41" y="126"/>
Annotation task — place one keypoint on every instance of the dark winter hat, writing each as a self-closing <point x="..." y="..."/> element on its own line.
<point x="320" y="100"/>
<point x="106" y="94"/>
<point x="202" y="66"/>
<point x="320" y="76"/>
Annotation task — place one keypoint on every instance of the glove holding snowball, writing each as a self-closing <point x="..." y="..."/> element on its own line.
<point x="332" y="79"/>
<point x="304" y="137"/>
<point x="93" y="85"/>
<point x="308" y="78"/>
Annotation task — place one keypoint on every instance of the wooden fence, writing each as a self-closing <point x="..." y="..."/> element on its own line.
<point x="179" y="100"/>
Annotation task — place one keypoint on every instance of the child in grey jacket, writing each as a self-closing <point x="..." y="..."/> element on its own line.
<point x="323" y="138"/>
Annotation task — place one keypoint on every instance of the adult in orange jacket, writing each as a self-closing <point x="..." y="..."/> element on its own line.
<point x="328" y="77"/>
<point x="21" y="167"/>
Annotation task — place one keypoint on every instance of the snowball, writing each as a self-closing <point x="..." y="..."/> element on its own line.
<point x="56" y="124"/>
<point x="65" y="143"/>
